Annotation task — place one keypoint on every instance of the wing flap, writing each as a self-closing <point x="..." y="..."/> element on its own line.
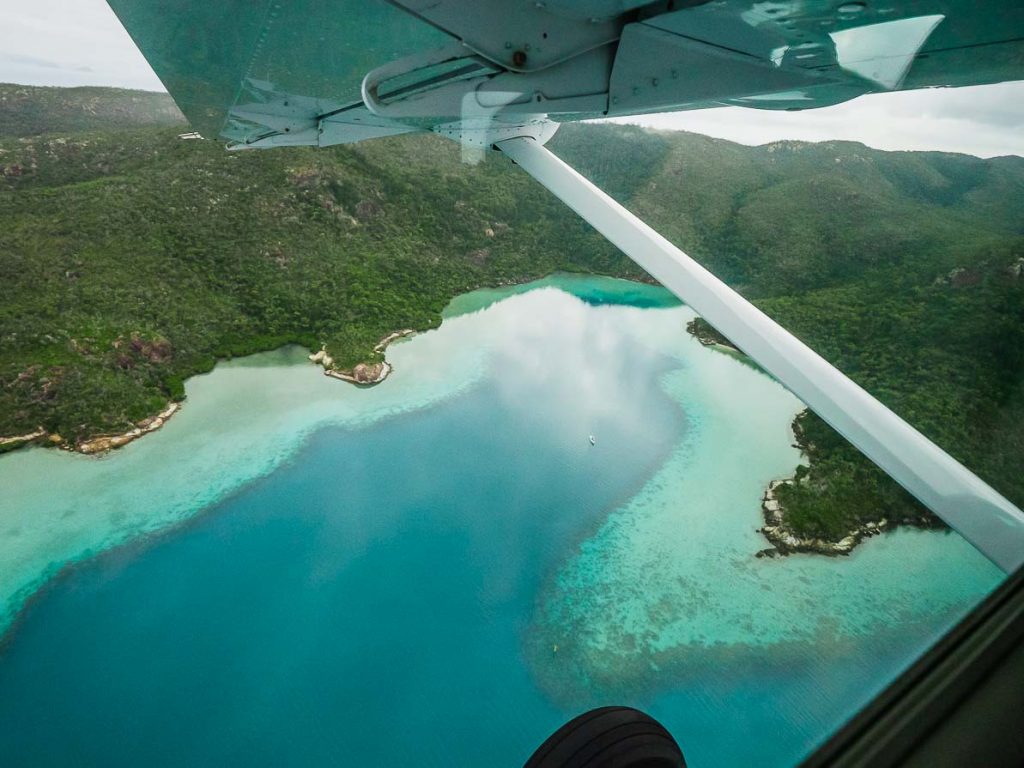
<point x="215" y="57"/>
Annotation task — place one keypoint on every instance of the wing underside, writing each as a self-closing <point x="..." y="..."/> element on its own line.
<point x="283" y="73"/>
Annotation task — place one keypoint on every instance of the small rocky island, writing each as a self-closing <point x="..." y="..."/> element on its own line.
<point x="787" y="541"/>
<point x="365" y="374"/>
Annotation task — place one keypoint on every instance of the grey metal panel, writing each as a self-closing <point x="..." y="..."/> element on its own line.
<point x="658" y="70"/>
<point x="724" y="27"/>
<point x="523" y="36"/>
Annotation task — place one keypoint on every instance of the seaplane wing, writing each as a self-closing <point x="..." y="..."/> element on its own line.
<point x="308" y="72"/>
<point x="503" y="73"/>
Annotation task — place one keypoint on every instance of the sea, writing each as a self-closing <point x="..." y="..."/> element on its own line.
<point x="551" y="504"/>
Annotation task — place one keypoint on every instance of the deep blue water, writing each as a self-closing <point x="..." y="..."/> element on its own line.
<point x="384" y="576"/>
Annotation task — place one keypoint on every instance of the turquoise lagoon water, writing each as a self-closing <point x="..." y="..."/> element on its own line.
<point x="441" y="569"/>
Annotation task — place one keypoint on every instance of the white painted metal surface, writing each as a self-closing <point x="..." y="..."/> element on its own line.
<point x="980" y="514"/>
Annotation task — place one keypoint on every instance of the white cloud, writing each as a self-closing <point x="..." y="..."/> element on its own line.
<point x="984" y="120"/>
<point x="69" y="42"/>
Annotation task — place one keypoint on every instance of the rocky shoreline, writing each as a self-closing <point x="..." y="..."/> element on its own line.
<point x="17" y="441"/>
<point x="105" y="443"/>
<point x="709" y="337"/>
<point x="786" y="542"/>
<point x="98" y="444"/>
<point x="93" y="445"/>
<point x="363" y="374"/>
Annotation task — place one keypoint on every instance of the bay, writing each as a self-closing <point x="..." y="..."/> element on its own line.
<point x="442" y="569"/>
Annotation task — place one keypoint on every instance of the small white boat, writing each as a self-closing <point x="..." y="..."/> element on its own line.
<point x="592" y="440"/>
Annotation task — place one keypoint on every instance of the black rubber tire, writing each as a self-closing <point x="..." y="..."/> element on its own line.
<point x="609" y="737"/>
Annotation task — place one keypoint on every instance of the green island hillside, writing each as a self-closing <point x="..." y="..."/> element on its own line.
<point x="29" y="110"/>
<point x="131" y="259"/>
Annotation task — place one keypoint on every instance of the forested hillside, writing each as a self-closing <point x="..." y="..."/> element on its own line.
<point x="30" y="110"/>
<point x="130" y="259"/>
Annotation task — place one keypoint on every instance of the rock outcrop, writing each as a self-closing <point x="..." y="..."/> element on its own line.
<point x="322" y="358"/>
<point x="16" y="441"/>
<point x="383" y="343"/>
<point x="786" y="542"/>
<point x="708" y="336"/>
<point x="105" y="443"/>
<point x="363" y="374"/>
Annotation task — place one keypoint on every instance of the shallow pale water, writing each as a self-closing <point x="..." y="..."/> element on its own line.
<point x="441" y="569"/>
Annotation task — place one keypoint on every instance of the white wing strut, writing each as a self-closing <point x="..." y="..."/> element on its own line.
<point x="982" y="516"/>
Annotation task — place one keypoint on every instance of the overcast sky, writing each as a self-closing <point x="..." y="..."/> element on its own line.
<point x="81" y="42"/>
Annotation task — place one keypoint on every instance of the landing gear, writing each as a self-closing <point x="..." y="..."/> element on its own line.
<point x="609" y="737"/>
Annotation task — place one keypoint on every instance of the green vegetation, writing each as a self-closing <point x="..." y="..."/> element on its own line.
<point x="130" y="260"/>
<point x="29" y="110"/>
<point x="948" y="356"/>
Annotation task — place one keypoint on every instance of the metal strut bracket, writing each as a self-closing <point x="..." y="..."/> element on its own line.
<point x="954" y="493"/>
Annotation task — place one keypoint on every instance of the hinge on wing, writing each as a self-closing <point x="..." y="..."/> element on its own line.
<point x="423" y="83"/>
